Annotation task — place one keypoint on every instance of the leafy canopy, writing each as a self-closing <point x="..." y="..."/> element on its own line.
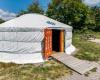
<point x="96" y="11"/>
<point x="72" y="12"/>
<point x="33" y="8"/>
<point x="1" y="21"/>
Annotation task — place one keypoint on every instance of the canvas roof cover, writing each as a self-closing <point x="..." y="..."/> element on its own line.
<point x="33" y="21"/>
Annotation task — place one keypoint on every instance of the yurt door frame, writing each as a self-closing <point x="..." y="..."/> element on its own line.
<point x="48" y="41"/>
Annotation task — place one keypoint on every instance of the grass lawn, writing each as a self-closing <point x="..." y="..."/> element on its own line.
<point x="47" y="71"/>
<point x="87" y="50"/>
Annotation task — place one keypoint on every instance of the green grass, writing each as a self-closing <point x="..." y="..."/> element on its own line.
<point x="48" y="71"/>
<point x="94" y="70"/>
<point x="87" y="50"/>
<point x="87" y="74"/>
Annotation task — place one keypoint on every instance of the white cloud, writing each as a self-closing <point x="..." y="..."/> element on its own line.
<point x="92" y="2"/>
<point x="5" y="15"/>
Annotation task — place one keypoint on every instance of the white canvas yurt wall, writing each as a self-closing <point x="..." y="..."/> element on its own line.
<point x="21" y="39"/>
<point x="21" y="47"/>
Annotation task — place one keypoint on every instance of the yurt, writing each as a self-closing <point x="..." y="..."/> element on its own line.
<point x="32" y="38"/>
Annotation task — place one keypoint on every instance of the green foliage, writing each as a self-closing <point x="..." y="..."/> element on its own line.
<point x="1" y="21"/>
<point x="22" y="12"/>
<point x="72" y="12"/>
<point x="33" y="8"/>
<point x="96" y="11"/>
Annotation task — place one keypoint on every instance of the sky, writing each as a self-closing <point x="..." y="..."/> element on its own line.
<point x="17" y="5"/>
<point x="92" y="2"/>
<point x="9" y="8"/>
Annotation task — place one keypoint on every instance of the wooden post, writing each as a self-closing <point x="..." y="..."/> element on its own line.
<point x="62" y="41"/>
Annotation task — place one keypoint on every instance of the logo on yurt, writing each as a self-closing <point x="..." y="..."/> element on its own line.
<point x="49" y="22"/>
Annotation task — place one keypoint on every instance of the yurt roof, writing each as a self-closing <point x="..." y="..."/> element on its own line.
<point x="34" y="21"/>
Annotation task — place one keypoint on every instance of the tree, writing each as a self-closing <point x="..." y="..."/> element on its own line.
<point x="1" y="21"/>
<point x="72" y="12"/>
<point x="22" y="12"/>
<point x="33" y="8"/>
<point x="96" y="11"/>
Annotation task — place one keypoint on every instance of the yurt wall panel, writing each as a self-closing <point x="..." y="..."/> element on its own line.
<point x="68" y="38"/>
<point x="22" y="36"/>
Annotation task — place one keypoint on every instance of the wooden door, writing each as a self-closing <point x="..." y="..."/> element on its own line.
<point x="47" y="43"/>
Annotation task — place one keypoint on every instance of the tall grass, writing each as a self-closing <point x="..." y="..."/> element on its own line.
<point x="48" y="71"/>
<point x="87" y="50"/>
